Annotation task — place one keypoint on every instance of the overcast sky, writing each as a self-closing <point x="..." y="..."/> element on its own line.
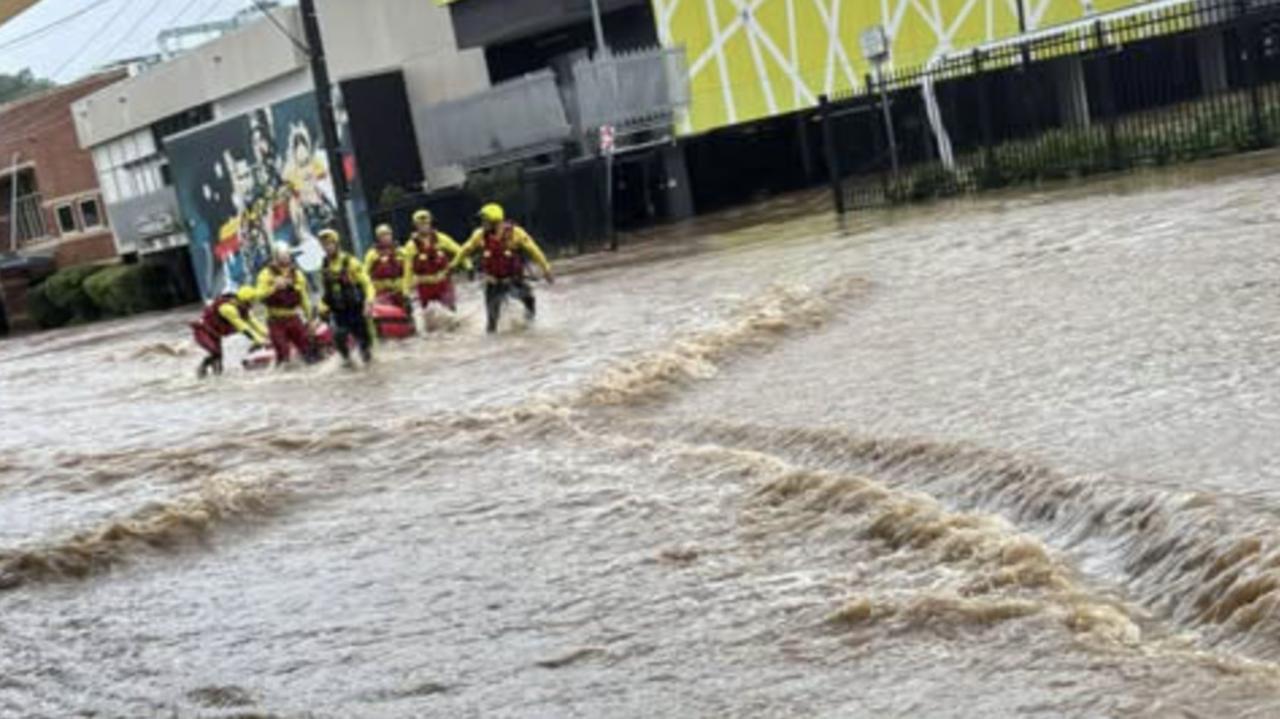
<point x="111" y="30"/>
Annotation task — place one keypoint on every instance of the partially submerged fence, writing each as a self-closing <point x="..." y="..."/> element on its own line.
<point x="561" y="204"/>
<point x="1166" y="83"/>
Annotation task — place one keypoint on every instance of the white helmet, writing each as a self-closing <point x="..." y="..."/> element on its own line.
<point x="281" y="252"/>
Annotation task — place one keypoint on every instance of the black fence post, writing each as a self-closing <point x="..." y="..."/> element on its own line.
<point x="565" y="173"/>
<point x="984" y="115"/>
<point x="1250" y="41"/>
<point x="1108" y="99"/>
<point x="829" y="150"/>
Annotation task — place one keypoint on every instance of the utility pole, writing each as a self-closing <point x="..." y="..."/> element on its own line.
<point x="324" y="99"/>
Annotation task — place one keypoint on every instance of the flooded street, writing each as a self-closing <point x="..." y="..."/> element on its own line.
<point x="1008" y="457"/>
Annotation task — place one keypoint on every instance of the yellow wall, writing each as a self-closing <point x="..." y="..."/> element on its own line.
<point x="754" y="58"/>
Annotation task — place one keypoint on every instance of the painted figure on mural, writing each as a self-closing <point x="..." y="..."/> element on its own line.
<point x="268" y="183"/>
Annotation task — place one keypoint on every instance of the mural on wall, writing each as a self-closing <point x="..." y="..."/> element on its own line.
<point x="750" y="59"/>
<point x="251" y="181"/>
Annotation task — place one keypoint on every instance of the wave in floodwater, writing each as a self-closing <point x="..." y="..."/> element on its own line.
<point x="158" y="526"/>
<point x="980" y="569"/>
<point x="758" y="324"/>
<point x="161" y="349"/>
<point x="1199" y="559"/>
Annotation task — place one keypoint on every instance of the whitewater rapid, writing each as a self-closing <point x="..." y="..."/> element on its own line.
<point x="1010" y="457"/>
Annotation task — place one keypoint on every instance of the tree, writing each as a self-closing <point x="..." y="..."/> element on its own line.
<point x="14" y="87"/>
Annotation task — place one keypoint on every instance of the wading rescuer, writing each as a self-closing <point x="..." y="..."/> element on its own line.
<point x="348" y="299"/>
<point x="386" y="268"/>
<point x="504" y="248"/>
<point x="428" y="255"/>
<point x="283" y="289"/>
<point x="225" y="316"/>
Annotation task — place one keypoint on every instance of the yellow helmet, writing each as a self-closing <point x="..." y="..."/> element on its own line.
<point x="422" y="216"/>
<point x="492" y="212"/>
<point x="246" y="294"/>
<point x="384" y="231"/>
<point x="327" y="236"/>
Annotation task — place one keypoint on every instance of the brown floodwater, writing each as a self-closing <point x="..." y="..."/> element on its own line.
<point x="1006" y="457"/>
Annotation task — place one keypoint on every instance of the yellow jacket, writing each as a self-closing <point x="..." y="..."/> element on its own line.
<point x="410" y="253"/>
<point x="521" y="243"/>
<point x="354" y="269"/>
<point x="267" y="287"/>
<point x="246" y="324"/>
<point x="399" y="284"/>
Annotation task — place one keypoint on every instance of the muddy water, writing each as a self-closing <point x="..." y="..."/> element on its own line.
<point x="1012" y="457"/>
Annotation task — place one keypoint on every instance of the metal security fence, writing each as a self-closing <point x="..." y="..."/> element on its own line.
<point x="560" y="203"/>
<point x="634" y="91"/>
<point x="1162" y="83"/>
<point x="506" y="123"/>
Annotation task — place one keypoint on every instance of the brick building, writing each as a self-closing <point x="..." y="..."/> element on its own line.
<point x="50" y="204"/>
<point x="51" y="211"/>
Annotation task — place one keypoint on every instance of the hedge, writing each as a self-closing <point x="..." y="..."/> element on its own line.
<point x="83" y="294"/>
<point x="42" y="309"/>
<point x="65" y="289"/>
<point x="131" y="289"/>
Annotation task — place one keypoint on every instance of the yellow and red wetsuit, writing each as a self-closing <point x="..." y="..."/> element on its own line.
<point x="224" y="317"/>
<point x="284" y="292"/>
<point x="386" y="269"/>
<point x="427" y="259"/>
<point x="503" y="251"/>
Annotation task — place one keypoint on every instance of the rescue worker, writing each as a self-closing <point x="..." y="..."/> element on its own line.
<point x="504" y="247"/>
<point x="386" y="268"/>
<point x="283" y="289"/>
<point x="225" y="316"/>
<point x="427" y="257"/>
<point x="348" y="299"/>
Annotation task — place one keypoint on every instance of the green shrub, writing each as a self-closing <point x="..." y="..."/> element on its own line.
<point x="65" y="290"/>
<point x="131" y="289"/>
<point x="45" y="313"/>
<point x="392" y="197"/>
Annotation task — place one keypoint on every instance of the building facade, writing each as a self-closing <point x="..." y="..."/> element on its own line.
<point x="51" y="203"/>
<point x="208" y="157"/>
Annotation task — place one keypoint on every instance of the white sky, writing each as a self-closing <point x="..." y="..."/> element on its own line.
<point x="116" y="29"/>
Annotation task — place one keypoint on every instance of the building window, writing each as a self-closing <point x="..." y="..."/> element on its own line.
<point x="89" y="213"/>
<point x="66" y="219"/>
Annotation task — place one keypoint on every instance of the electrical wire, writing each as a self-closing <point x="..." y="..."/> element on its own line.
<point x="128" y="34"/>
<point x="53" y="25"/>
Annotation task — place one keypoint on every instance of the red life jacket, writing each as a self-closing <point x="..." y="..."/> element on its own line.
<point x="387" y="267"/>
<point x="286" y="299"/>
<point x="430" y="260"/>
<point x="214" y="320"/>
<point x="502" y="260"/>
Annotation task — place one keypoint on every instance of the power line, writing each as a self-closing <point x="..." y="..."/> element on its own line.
<point x="85" y="48"/>
<point x="209" y="11"/>
<point x="133" y="29"/>
<point x="173" y="21"/>
<point x="56" y="23"/>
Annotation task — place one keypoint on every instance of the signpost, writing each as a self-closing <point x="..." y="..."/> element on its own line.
<point x="608" y="139"/>
<point x="875" y="49"/>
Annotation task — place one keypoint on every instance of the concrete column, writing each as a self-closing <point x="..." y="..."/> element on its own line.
<point x="1073" y="92"/>
<point x="1212" y="60"/>
<point x="678" y="191"/>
